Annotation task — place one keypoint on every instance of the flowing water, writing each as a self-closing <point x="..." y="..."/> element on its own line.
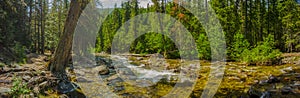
<point x="139" y="72"/>
<point x="133" y="78"/>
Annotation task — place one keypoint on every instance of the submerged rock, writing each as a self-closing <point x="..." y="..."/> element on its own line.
<point x="286" y="90"/>
<point x="71" y="89"/>
<point x="273" y="79"/>
<point x="285" y="85"/>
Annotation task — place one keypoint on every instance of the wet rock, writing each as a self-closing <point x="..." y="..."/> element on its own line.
<point x="119" y="65"/>
<point x="144" y="83"/>
<point x="81" y="79"/>
<point x="287" y="70"/>
<point x="79" y="72"/>
<point x="297" y="76"/>
<point x="263" y="82"/>
<point x="102" y="70"/>
<point x="102" y="61"/>
<point x="273" y="79"/>
<point x="113" y="80"/>
<point x="125" y="71"/>
<point x="266" y="94"/>
<point x="256" y="81"/>
<point x="119" y="88"/>
<point x="280" y="86"/>
<point x="112" y="77"/>
<point x="286" y="90"/>
<point x="254" y="93"/>
<point x="297" y="83"/>
<point x="66" y="87"/>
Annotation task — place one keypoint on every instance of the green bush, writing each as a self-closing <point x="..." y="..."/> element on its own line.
<point x="239" y="46"/>
<point x="203" y="46"/>
<point x="18" y="88"/>
<point x="263" y="52"/>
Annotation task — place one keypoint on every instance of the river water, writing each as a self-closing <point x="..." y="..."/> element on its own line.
<point x="128" y="79"/>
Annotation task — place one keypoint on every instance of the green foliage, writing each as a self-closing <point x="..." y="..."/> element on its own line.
<point x="263" y="52"/>
<point x="204" y="51"/>
<point x="19" y="51"/>
<point x="254" y="20"/>
<point x="13" y="28"/>
<point x="239" y="46"/>
<point x="18" y="88"/>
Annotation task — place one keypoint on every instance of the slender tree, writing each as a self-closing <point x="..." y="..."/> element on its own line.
<point x="62" y="53"/>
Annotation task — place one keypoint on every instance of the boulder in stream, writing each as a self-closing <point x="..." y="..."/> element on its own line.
<point x="102" y="70"/>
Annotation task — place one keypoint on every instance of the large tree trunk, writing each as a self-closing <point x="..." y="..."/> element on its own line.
<point x="62" y="52"/>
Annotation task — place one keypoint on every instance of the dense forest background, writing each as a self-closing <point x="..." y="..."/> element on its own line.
<point x="255" y="30"/>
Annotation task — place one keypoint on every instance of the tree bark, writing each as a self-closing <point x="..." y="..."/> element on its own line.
<point x="42" y="26"/>
<point x="62" y="52"/>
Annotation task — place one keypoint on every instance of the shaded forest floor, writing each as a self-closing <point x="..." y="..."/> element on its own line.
<point x="32" y="79"/>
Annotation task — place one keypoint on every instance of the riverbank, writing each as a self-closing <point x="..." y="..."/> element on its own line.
<point x="238" y="77"/>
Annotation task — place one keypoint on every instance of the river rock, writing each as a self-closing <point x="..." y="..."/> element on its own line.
<point x="273" y="79"/>
<point x="125" y="71"/>
<point x="79" y="72"/>
<point x="287" y="70"/>
<point x="112" y="77"/>
<point x="234" y="78"/>
<point x="102" y="70"/>
<point x="82" y="80"/>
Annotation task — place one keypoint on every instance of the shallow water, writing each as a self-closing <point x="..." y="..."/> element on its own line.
<point x="137" y="79"/>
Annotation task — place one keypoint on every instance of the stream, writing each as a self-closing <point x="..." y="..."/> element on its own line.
<point x="140" y="74"/>
<point x="130" y="76"/>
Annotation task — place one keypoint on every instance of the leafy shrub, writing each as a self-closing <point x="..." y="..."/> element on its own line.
<point x="203" y="46"/>
<point x="263" y="52"/>
<point x="19" y="88"/>
<point x="239" y="46"/>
